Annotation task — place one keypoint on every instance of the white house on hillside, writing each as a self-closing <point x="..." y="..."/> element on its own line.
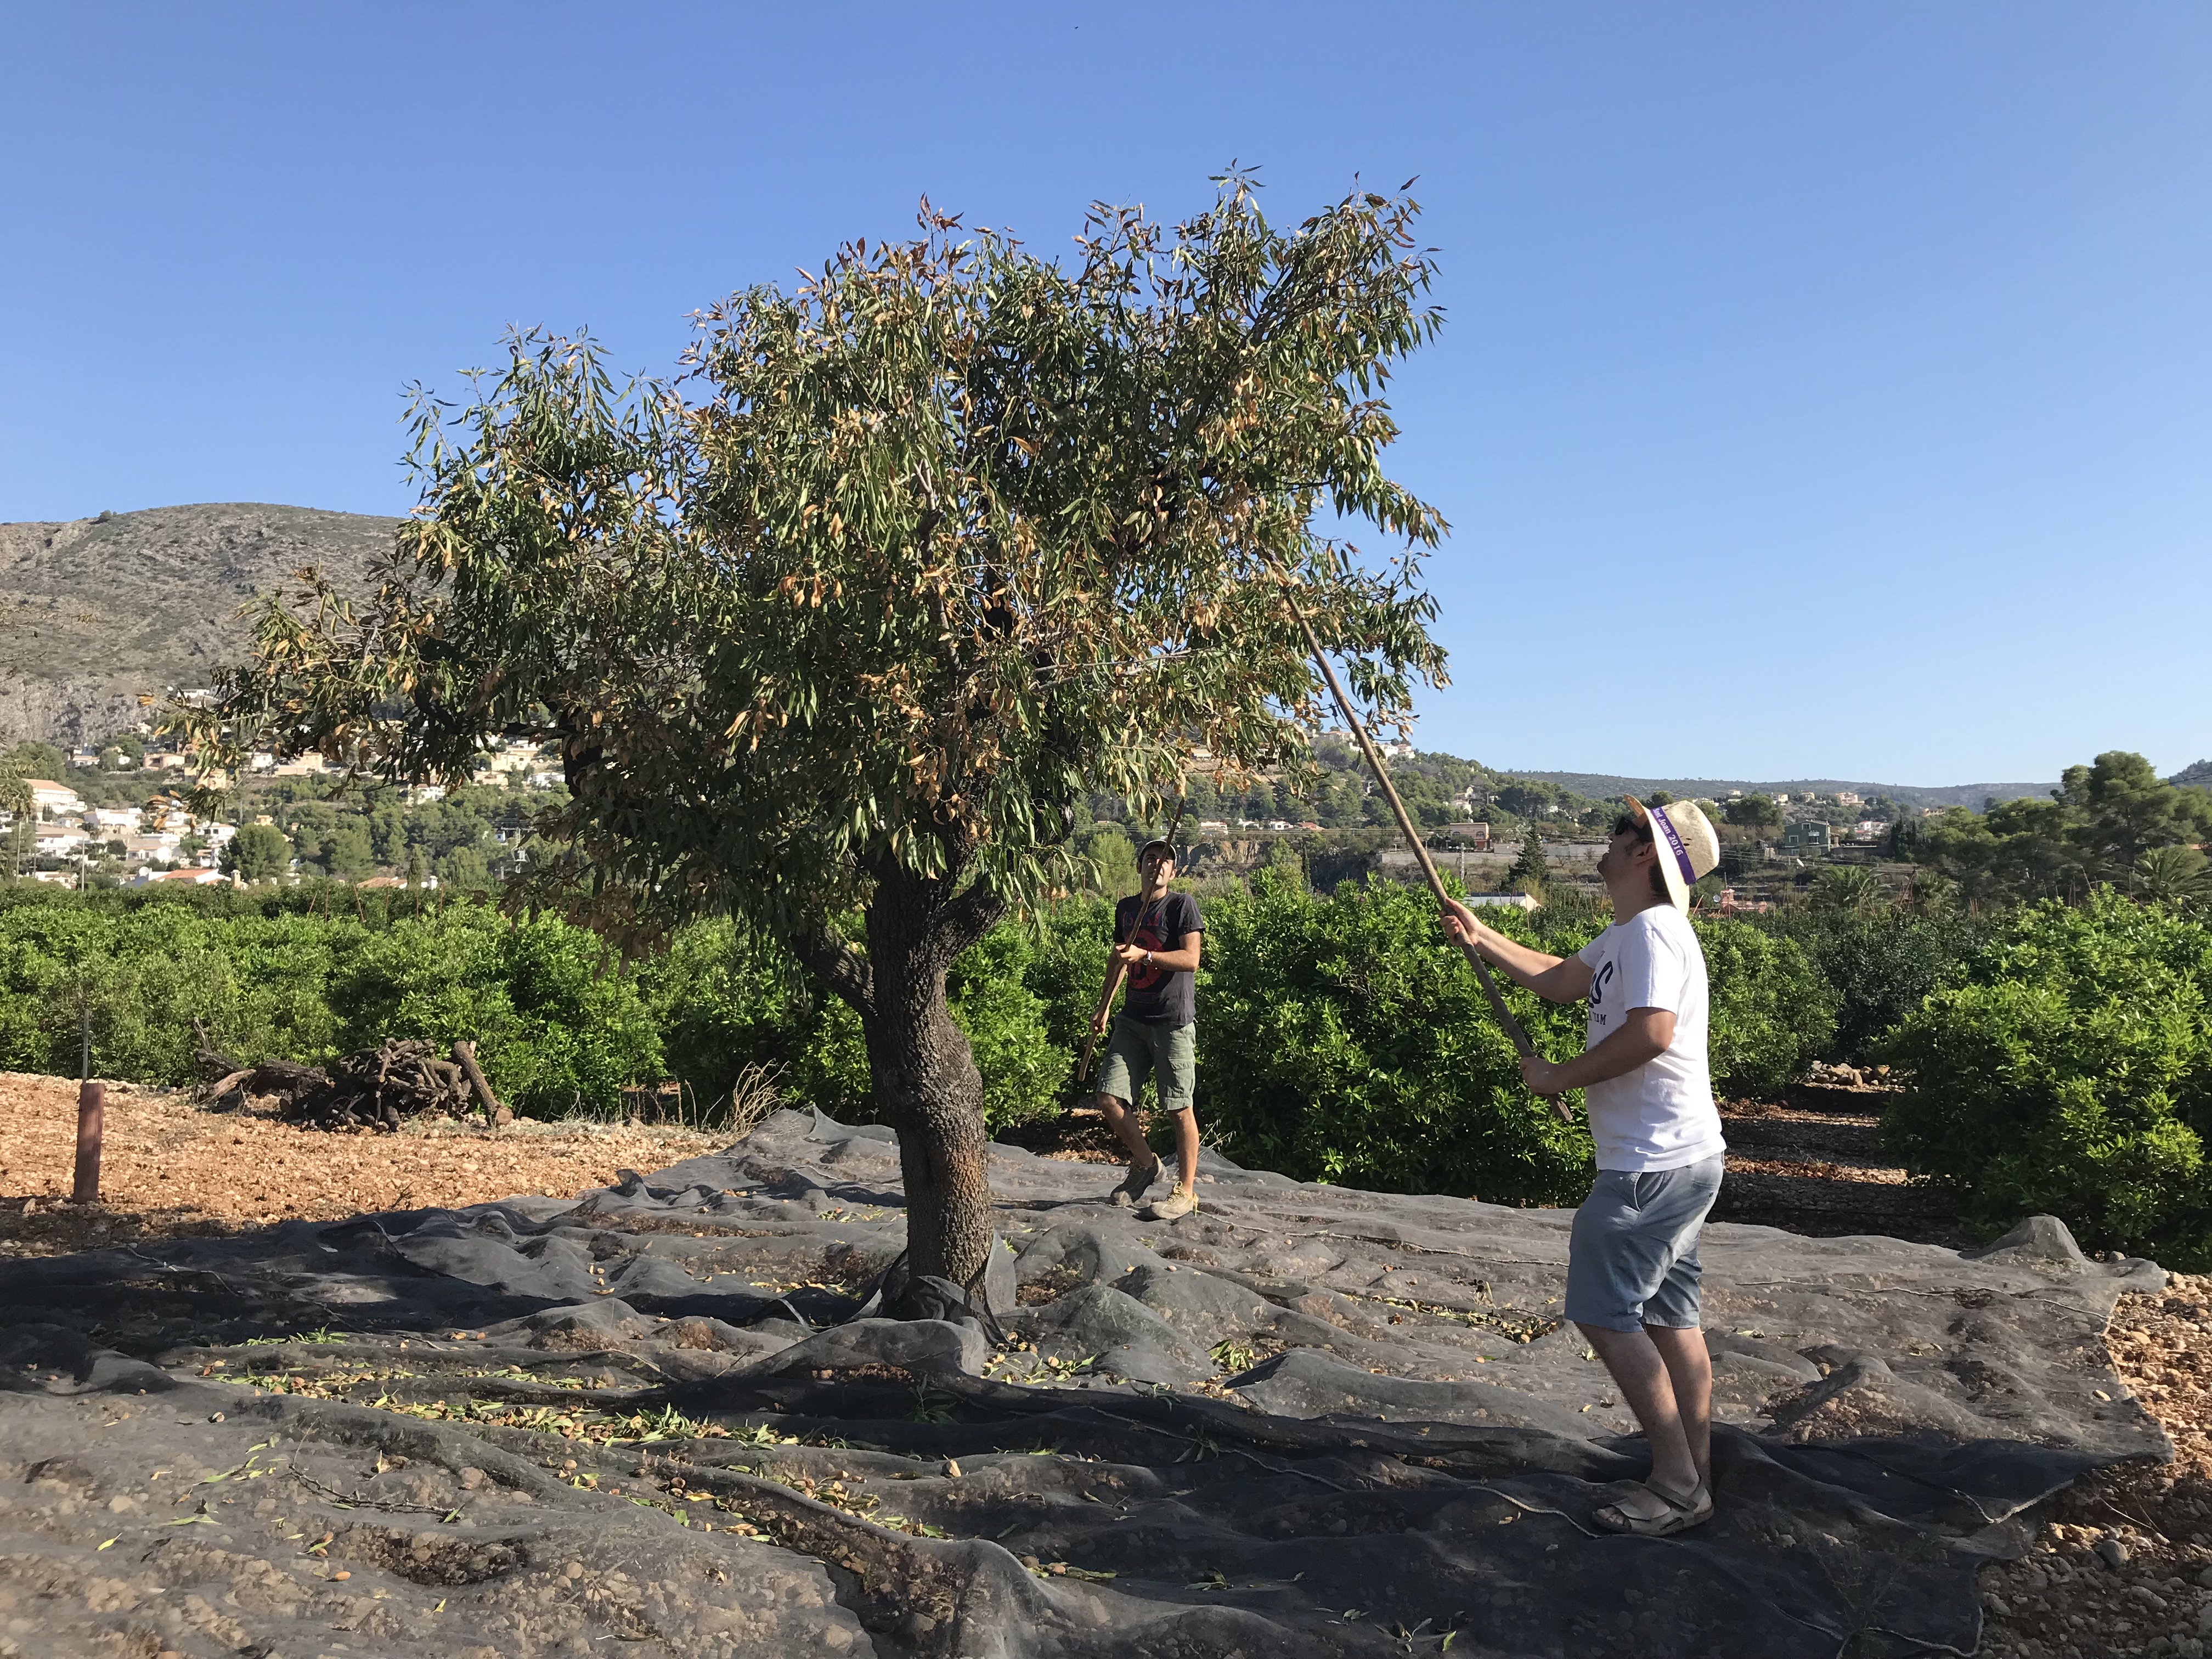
<point x="47" y="796"/>
<point x="181" y="878"/>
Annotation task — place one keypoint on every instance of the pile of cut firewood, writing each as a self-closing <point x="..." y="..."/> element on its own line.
<point x="377" y="1088"/>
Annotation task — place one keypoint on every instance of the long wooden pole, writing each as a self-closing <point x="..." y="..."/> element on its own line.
<point x="1522" y="1045"/>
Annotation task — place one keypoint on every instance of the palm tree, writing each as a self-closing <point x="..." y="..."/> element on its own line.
<point x="2172" y="875"/>
<point x="1849" y="887"/>
<point x="1930" y="893"/>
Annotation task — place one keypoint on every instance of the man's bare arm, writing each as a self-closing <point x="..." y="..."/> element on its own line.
<point x="1644" y="1035"/>
<point x="1183" y="959"/>
<point x="1556" y="979"/>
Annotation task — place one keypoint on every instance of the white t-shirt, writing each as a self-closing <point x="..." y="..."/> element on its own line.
<point x="1660" y="1115"/>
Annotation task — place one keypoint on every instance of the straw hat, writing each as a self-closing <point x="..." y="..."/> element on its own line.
<point x="1687" y="847"/>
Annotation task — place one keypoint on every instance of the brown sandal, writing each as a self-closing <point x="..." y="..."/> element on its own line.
<point x="1691" y="1508"/>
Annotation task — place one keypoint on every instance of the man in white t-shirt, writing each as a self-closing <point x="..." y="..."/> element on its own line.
<point x="1633" y="1269"/>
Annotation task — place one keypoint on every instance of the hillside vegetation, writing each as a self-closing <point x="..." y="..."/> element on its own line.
<point x="94" y="612"/>
<point x="1604" y="784"/>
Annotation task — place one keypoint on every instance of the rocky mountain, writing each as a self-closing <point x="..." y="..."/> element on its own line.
<point x="94" y="612"/>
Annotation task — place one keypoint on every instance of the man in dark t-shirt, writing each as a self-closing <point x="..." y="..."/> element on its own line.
<point x="1156" y="935"/>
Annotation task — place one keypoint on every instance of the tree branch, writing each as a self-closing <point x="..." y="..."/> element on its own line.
<point x="835" y="963"/>
<point x="970" y="914"/>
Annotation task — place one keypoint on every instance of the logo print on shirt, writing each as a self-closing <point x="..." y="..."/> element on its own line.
<point x="1597" y="995"/>
<point x="1147" y="936"/>
<point x="1597" y="986"/>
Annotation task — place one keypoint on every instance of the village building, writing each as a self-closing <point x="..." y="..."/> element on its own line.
<point x="182" y="878"/>
<point x="57" y="798"/>
<point x="1807" y="836"/>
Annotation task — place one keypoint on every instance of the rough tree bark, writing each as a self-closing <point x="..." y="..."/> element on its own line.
<point x="923" y="1072"/>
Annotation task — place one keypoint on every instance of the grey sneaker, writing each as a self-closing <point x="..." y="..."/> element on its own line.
<point x="1178" y="1203"/>
<point x="1135" y="1186"/>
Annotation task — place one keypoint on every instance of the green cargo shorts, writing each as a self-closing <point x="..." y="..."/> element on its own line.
<point x="1136" y="1049"/>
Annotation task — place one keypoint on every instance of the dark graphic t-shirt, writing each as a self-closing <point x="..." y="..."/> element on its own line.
<point x="1157" y="996"/>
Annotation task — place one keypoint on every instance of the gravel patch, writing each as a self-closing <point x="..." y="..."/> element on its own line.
<point x="2125" y="1565"/>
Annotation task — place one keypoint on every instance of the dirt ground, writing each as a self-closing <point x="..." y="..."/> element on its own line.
<point x="2123" y="1565"/>
<point x="169" y="1168"/>
<point x="1812" y="1161"/>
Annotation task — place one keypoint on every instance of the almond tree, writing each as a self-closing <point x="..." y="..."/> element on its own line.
<point x="836" y="629"/>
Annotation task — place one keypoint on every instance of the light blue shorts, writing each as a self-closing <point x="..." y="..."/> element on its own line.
<point x="1633" y="1260"/>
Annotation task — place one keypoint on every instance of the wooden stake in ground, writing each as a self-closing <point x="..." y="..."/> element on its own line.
<point x="91" y="1120"/>
<point x="1522" y="1045"/>
<point x="91" y="1125"/>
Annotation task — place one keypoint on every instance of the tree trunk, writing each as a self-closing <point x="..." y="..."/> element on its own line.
<point x="925" y="1082"/>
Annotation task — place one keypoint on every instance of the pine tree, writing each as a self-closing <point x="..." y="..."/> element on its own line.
<point x="1530" y="873"/>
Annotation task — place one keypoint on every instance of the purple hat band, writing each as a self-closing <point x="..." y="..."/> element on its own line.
<point x="1658" y="816"/>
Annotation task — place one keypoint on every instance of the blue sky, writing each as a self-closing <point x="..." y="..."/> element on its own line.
<point x="1826" y="390"/>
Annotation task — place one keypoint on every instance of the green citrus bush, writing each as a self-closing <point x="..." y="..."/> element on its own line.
<point x="1880" y="966"/>
<point x="2070" y="1073"/>
<point x="1341" y="1039"/>
<point x="558" y="1030"/>
<point x="1772" y="1008"/>
<point x="143" y="975"/>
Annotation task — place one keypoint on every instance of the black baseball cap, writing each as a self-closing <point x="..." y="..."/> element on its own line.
<point x="1145" y="851"/>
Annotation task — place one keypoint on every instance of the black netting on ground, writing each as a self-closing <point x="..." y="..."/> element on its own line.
<point x="1304" y="1420"/>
